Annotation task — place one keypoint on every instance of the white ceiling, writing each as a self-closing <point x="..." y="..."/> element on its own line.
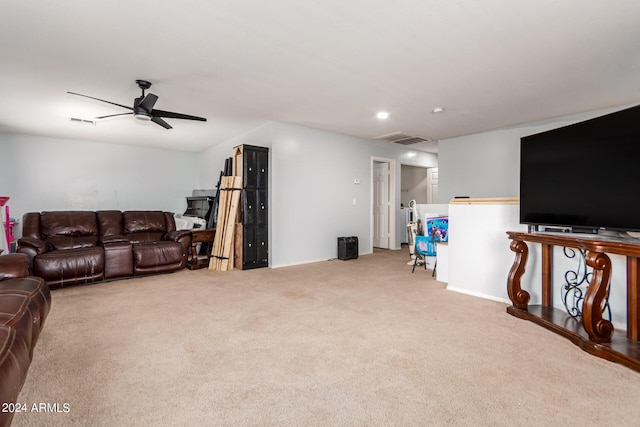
<point x="327" y="64"/>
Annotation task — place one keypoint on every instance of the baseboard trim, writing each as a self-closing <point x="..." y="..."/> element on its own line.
<point x="478" y="294"/>
<point x="313" y="261"/>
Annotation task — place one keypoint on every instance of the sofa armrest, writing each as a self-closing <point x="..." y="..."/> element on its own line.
<point x="116" y="238"/>
<point x="178" y="235"/>
<point x="183" y="237"/>
<point x="30" y="246"/>
<point x="13" y="266"/>
<point x="37" y="245"/>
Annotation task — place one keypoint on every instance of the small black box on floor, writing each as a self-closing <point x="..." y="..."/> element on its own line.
<point x="347" y="248"/>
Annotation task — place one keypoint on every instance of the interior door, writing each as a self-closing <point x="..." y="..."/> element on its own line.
<point x="381" y="205"/>
<point x="432" y="185"/>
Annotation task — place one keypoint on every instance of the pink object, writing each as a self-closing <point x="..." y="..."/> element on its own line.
<point x="7" y="226"/>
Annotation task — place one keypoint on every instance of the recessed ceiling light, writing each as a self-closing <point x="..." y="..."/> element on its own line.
<point x="382" y="115"/>
<point x="437" y="110"/>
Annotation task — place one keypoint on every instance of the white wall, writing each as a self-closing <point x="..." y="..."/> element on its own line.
<point x="211" y="160"/>
<point x="414" y="184"/>
<point x="488" y="164"/>
<point x="41" y="173"/>
<point x="312" y="188"/>
<point x="311" y="181"/>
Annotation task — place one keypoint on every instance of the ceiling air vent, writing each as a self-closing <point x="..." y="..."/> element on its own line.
<point x="84" y="121"/>
<point x="402" y="138"/>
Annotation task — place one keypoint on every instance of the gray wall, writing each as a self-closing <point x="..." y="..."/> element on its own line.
<point x="41" y="173"/>
<point x="211" y="160"/>
<point x="488" y="164"/>
<point x="414" y="184"/>
<point x="311" y="182"/>
<point x="312" y="188"/>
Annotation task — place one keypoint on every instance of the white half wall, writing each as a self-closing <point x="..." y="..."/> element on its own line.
<point x="480" y="259"/>
<point x="479" y="254"/>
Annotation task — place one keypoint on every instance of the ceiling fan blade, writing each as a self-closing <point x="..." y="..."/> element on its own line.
<point x="114" y="115"/>
<point x="161" y="122"/>
<point x="148" y="102"/>
<point x="170" y="115"/>
<point x="101" y="100"/>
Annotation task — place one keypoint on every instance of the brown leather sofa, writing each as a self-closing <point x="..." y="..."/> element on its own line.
<point x="75" y="247"/>
<point x="24" y="305"/>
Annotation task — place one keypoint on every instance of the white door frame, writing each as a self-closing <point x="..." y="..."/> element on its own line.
<point x="392" y="199"/>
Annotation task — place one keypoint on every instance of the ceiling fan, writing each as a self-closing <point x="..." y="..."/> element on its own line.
<point x="143" y="108"/>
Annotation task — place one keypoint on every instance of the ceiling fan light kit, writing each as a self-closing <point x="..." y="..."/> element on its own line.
<point x="142" y="115"/>
<point x="143" y="108"/>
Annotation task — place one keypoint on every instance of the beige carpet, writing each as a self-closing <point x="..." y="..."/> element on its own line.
<point x="340" y="343"/>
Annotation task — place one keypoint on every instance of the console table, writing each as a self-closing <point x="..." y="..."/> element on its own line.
<point x="592" y="333"/>
<point x="200" y="236"/>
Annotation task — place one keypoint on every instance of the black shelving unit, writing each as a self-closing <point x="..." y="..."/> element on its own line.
<point x="254" y="163"/>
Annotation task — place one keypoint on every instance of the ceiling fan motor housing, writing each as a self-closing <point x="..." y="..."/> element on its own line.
<point x="143" y="84"/>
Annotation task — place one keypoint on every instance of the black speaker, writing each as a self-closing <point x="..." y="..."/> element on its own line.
<point x="347" y="248"/>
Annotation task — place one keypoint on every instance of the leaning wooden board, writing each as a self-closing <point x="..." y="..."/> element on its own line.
<point x="222" y="255"/>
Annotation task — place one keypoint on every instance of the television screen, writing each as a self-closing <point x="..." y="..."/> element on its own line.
<point x="585" y="176"/>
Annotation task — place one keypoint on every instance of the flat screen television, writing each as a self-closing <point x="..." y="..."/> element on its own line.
<point x="585" y="176"/>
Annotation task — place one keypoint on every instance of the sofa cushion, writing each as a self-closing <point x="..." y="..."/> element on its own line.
<point x="71" y="266"/>
<point x="72" y="242"/>
<point x="68" y="223"/>
<point x="31" y="225"/>
<point x="157" y="257"/>
<point x="144" y="222"/>
<point x="109" y="223"/>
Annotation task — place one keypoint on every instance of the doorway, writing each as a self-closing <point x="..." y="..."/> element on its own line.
<point x="416" y="183"/>
<point x="432" y="185"/>
<point x="383" y="215"/>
